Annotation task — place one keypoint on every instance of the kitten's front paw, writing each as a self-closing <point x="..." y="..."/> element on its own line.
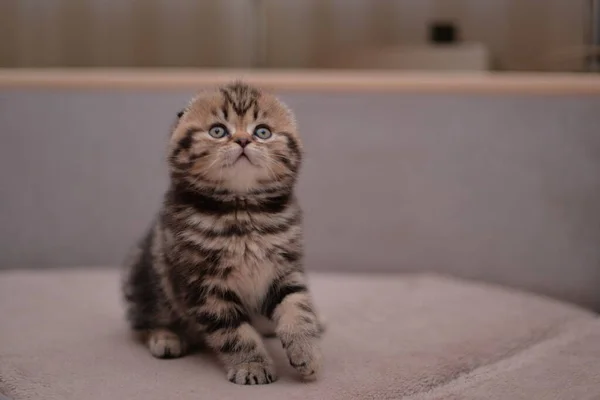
<point x="252" y="373"/>
<point x="305" y="356"/>
<point x="166" y="344"/>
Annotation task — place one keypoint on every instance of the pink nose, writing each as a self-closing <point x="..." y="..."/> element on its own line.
<point x="242" y="141"/>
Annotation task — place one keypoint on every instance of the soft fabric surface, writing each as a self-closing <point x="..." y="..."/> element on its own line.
<point x="416" y="337"/>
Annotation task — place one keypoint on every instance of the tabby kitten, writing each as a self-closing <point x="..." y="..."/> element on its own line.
<point x="224" y="256"/>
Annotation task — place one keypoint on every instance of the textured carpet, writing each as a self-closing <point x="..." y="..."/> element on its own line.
<point x="417" y="337"/>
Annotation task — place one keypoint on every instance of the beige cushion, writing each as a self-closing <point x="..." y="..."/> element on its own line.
<point x="389" y="337"/>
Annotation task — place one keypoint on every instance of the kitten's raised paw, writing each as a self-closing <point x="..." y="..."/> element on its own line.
<point x="305" y="357"/>
<point x="252" y="373"/>
<point x="164" y="343"/>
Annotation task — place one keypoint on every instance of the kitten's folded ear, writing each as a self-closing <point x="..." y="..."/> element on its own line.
<point x="176" y="122"/>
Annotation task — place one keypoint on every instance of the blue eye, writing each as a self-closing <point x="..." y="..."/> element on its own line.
<point x="262" y="132"/>
<point x="218" y="131"/>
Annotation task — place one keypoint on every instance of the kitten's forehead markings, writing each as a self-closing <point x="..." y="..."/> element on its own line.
<point x="225" y="111"/>
<point x="240" y="98"/>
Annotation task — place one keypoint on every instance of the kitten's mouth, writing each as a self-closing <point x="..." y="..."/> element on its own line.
<point x="243" y="157"/>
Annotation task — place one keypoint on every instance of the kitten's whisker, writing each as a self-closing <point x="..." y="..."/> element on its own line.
<point x="220" y="180"/>
<point x="218" y="158"/>
<point x="268" y="160"/>
<point x="270" y="171"/>
<point x="212" y="164"/>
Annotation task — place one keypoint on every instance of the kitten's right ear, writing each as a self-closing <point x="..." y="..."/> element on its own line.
<point x="176" y="122"/>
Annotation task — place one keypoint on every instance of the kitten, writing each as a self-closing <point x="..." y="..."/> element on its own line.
<point x="224" y="256"/>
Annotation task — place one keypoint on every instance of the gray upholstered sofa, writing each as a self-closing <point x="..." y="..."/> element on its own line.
<point x="453" y="241"/>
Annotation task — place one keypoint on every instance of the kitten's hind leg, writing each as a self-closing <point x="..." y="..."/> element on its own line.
<point x="164" y="343"/>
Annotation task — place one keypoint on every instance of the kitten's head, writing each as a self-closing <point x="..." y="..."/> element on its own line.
<point x="237" y="138"/>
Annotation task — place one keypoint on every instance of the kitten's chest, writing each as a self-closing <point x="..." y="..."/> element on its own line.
<point x="252" y="271"/>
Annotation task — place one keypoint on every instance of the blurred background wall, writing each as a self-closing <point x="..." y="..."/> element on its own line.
<point x="519" y="34"/>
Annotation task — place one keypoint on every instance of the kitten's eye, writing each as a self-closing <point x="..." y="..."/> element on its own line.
<point x="218" y="131"/>
<point x="262" y="132"/>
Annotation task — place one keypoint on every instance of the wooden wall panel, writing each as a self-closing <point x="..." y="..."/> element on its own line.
<point x="522" y="34"/>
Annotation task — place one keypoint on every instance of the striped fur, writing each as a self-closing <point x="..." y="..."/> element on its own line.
<point x="224" y="256"/>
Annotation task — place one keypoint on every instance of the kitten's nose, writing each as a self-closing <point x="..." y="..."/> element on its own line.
<point x="242" y="141"/>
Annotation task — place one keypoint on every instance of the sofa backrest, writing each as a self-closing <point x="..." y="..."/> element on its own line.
<point x="504" y="188"/>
